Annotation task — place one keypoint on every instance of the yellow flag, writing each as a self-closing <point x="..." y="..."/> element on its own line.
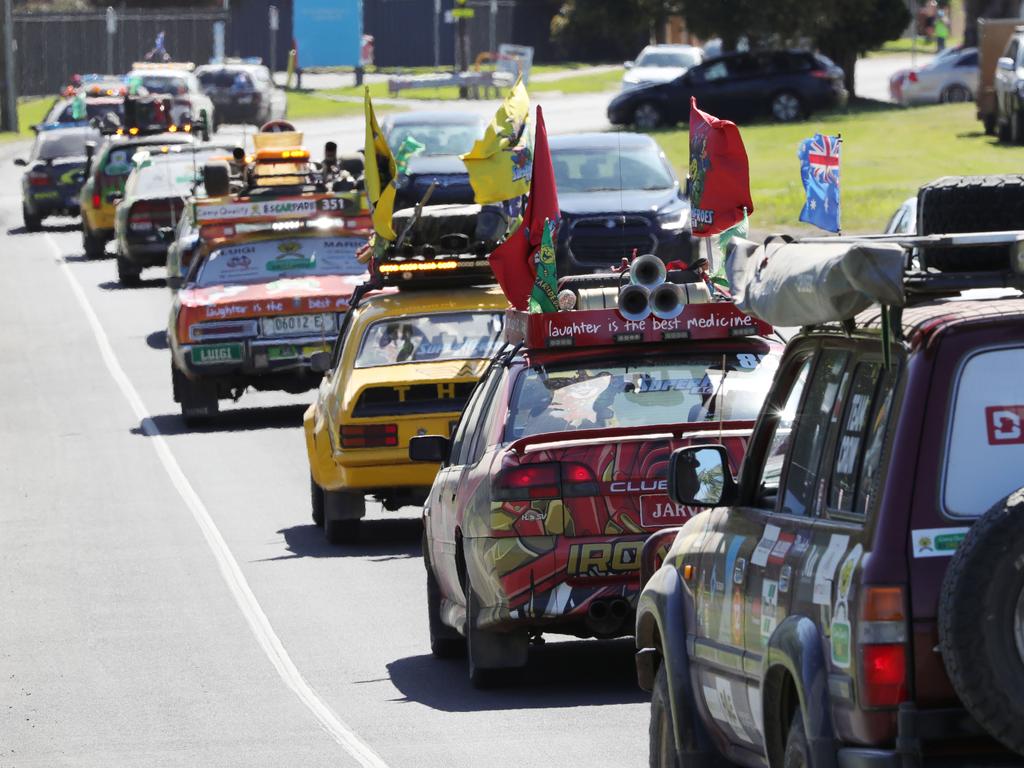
<point x="500" y="163"/>
<point x="380" y="174"/>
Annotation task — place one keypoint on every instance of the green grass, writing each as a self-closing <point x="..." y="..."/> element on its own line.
<point x="311" y="104"/>
<point x="594" y="82"/>
<point x="30" y="112"/>
<point x="886" y="155"/>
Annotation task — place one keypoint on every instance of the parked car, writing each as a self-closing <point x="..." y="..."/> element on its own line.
<point x="444" y="136"/>
<point x="178" y="81"/>
<point x="784" y="85"/>
<point x="660" y="64"/>
<point x="54" y="173"/>
<point x="992" y="37"/>
<point x="950" y="78"/>
<point x="617" y="194"/>
<point x="1009" y="81"/>
<point x="243" y="93"/>
<point x="904" y="221"/>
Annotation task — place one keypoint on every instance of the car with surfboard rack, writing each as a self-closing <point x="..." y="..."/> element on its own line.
<point x="556" y="474"/>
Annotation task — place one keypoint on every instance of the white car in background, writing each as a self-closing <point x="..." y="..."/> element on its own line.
<point x="661" y="64"/>
<point x="948" y="78"/>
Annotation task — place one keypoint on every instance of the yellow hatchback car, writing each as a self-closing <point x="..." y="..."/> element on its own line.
<point x="405" y="365"/>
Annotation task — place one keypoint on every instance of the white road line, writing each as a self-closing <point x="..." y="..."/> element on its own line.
<point x="233" y="577"/>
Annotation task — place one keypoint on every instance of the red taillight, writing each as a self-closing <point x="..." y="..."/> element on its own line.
<point x="885" y="674"/>
<point x="821" y="74"/>
<point x="146" y="214"/>
<point x="912" y="77"/>
<point x="530" y="481"/>
<point x="578" y="480"/>
<point x="38" y="179"/>
<point x="96" y="202"/>
<point x="369" y="435"/>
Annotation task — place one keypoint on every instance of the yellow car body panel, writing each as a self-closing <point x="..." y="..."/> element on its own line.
<point x="370" y="469"/>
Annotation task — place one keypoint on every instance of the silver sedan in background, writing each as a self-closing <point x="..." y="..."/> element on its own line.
<point x="948" y="78"/>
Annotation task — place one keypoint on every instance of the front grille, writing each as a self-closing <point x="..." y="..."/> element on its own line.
<point x="593" y="240"/>
<point x="400" y="399"/>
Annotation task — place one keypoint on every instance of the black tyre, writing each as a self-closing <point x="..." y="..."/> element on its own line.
<point x="351" y="162"/>
<point x="663" y="752"/>
<point x="787" y="107"/>
<point x="199" y="403"/>
<point x="647" y="116"/>
<point x="342" y="513"/>
<point x="981" y="621"/>
<point x="33" y="222"/>
<point x="955" y="94"/>
<point x="1003" y="129"/>
<point x="445" y="642"/>
<point x="94" y="247"/>
<point x="492" y="656"/>
<point x="128" y="274"/>
<point x="316" y="496"/>
<point x="798" y="753"/>
<point x="451" y="227"/>
<point x="217" y="178"/>
<point x="1016" y="128"/>
<point x="970" y="204"/>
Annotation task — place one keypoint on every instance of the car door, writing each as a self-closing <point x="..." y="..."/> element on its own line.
<point x="709" y="83"/>
<point x="741" y="544"/>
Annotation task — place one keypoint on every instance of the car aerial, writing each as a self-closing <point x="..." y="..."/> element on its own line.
<point x="617" y="194"/>
<point x="147" y="214"/>
<point x="660" y="64"/>
<point x="444" y="136"/>
<point x="178" y="81"/>
<point x="54" y="173"/>
<point x="783" y="85"/>
<point x="556" y="473"/>
<point x="1009" y="90"/>
<point x="404" y="364"/>
<point x="855" y="597"/>
<point x="242" y="92"/>
<point x="945" y="79"/>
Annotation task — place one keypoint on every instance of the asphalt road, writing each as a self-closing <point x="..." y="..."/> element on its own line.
<point x="165" y="599"/>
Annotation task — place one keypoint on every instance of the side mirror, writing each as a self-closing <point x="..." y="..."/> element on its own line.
<point x="320" y="362"/>
<point x="90" y="149"/>
<point x="36" y="128"/>
<point x="429" y="448"/>
<point x="21" y="161"/>
<point x="1005" y="62"/>
<point x="699" y="476"/>
<point x="174" y="282"/>
<point x="628" y="64"/>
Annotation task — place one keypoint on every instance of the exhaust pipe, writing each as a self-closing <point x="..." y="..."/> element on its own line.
<point x="607" y="617"/>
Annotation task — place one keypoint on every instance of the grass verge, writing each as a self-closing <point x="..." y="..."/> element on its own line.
<point x="30" y="112"/>
<point x="310" y="105"/>
<point x="887" y="154"/>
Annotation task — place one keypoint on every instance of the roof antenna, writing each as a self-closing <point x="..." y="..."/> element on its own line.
<point x="622" y="212"/>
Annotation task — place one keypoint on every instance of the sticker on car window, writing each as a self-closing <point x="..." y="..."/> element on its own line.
<point x="1005" y="424"/>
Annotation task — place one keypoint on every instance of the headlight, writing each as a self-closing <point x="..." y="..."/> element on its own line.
<point x="676" y="219"/>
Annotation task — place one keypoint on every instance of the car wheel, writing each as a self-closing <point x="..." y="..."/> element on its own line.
<point x="787" y="107"/>
<point x="647" y="116"/>
<point x="663" y="752"/>
<point x="316" y="497"/>
<point x="1003" y="129"/>
<point x="981" y="621"/>
<point x="955" y="94"/>
<point x="33" y="223"/>
<point x="798" y="753"/>
<point x="128" y="274"/>
<point x="94" y="247"/>
<point x="199" y="402"/>
<point x="342" y="513"/>
<point x="491" y="655"/>
<point x="445" y="642"/>
<point x="1016" y="133"/>
<point x="989" y="123"/>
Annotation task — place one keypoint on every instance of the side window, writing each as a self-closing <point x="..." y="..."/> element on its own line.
<point x="871" y="470"/>
<point x="476" y="446"/>
<point x="466" y="429"/>
<point x="810" y="431"/>
<point x="775" y="455"/>
<point x="969" y="60"/>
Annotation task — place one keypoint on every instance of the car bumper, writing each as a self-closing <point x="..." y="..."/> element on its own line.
<point x="251" y="361"/>
<point x="232" y="112"/>
<point x="145" y="254"/>
<point x="53" y="203"/>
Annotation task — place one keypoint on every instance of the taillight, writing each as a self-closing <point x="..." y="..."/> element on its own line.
<point x="369" y="435"/>
<point x="912" y="77"/>
<point x="38" y="179"/>
<point x="222" y="329"/>
<point x="530" y="481"/>
<point x="96" y="202"/>
<point x="578" y="480"/>
<point x="821" y="74"/>
<point x="882" y="637"/>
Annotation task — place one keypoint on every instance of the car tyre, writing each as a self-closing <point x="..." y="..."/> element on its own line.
<point x="989" y="124"/>
<point x="647" y="116"/>
<point x="445" y="642"/>
<point x="981" y="621"/>
<point x="94" y="247"/>
<point x="342" y="513"/>
<point x="129" y="275"/>
<point x="33" y="222"/>
<point x="198" y="400"/>
<point x="491" y="656"/>
<point x="663" y="752"/>
<point x="1016" y="128"/>
<point x="316" y="497"/>
<point x="1003" y="129"/>
<point x="787" y="107"/>
<point x="798" y="752"/>
<point x="955" y="94"/>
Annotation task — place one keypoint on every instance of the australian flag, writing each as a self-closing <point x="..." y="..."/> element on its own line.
<point x="819" y="170"/>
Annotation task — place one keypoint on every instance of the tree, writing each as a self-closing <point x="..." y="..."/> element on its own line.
<point x="854" y="27"/>
<point x="600" y="29"/>
<point x="987" y="9"/>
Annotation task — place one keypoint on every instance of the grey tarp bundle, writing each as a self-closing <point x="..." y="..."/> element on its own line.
<point x="790" y="283"/>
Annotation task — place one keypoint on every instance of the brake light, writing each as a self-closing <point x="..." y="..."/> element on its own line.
<point x="578" y="480"/>
<point x="369" y="435"/>
<point x="882" y="637"/>
<point x="38" y="179"/>
<point x="530" y="481"/>
<point x="885" y="675"/>
<point x="912" y="77"/>
<point x="96" y="201"/>
<point x="821" y="74"/>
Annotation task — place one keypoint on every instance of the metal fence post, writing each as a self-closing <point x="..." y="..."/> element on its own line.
<point x="10" y="105"/>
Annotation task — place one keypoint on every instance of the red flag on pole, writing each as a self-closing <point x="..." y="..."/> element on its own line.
<point x="512" y="261"/>
<point x="719" y="174"/>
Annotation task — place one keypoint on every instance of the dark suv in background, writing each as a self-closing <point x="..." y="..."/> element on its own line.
<point x="783" y="85"/>
<point x="242" y="93"/>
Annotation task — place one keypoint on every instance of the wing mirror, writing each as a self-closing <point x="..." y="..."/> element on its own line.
<point x="174" y="282"/>
<point x="320" y="362"/>
<point x="429" y="448"/>
<point x="20" y="161"/>
<point x="699" y="476"/>
<point x="628" y="64"/>
<point x="1005" y="62"/>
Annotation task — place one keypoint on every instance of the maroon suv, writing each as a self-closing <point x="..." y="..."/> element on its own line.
<point x="856" y="596"/>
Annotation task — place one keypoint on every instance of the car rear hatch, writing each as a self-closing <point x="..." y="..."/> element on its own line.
<point x="154" y="220"/>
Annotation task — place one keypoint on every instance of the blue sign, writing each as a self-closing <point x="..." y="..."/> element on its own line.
<point x="328" y="32"/>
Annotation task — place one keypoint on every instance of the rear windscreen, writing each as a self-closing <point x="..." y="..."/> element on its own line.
<point x="430" y="338"/>
<point x="279" y="260"/>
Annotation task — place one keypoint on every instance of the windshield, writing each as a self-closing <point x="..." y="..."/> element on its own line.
<point x="429" y="338"/>
<point x="92" y="109"/>
<point x="437" y="138"/>
<point x="62" y="143"/>
<point x="165" y="84"/>
<point x="225" y="78"/>
<point x="270" y="260"/>
<point x="646" y="391"/>
<point x="596" y="169"/>
<point x="669" y="59"/>
<point x="170" y="176"/>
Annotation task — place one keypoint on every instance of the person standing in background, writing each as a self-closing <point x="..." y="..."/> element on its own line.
<point x="941" y="29"/>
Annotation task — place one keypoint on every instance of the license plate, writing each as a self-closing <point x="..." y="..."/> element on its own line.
<point x="291" y="325"/>
<point x="658" y="511"/>
<point x="209" y="354"/>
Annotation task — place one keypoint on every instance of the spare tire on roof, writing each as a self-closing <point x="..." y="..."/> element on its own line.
<point x="981" y="621"/>
<point x="217" y="178"/>
<point x="351" y="162"/>
<point x="451" y="227"/>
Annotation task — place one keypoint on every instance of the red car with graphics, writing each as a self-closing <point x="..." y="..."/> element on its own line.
<point x="556" y="473"/>
<point x="267" y="296"/>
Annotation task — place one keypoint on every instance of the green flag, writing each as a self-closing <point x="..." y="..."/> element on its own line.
<point x="78" y="110"/>
<point x="409" y="149"/>
<point x="740" y="229"/>
<point x="544" y="297"/>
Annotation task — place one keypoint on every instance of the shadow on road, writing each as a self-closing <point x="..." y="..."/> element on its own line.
<point x="234" y="420"/>
<point x="81" y="258"/>
<point x="559" y="674"/>
<point x="379" y="541"/>
<point x="115" y="285"/>
<point x="157" y="339"/>
<point x="51" y="228"/>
